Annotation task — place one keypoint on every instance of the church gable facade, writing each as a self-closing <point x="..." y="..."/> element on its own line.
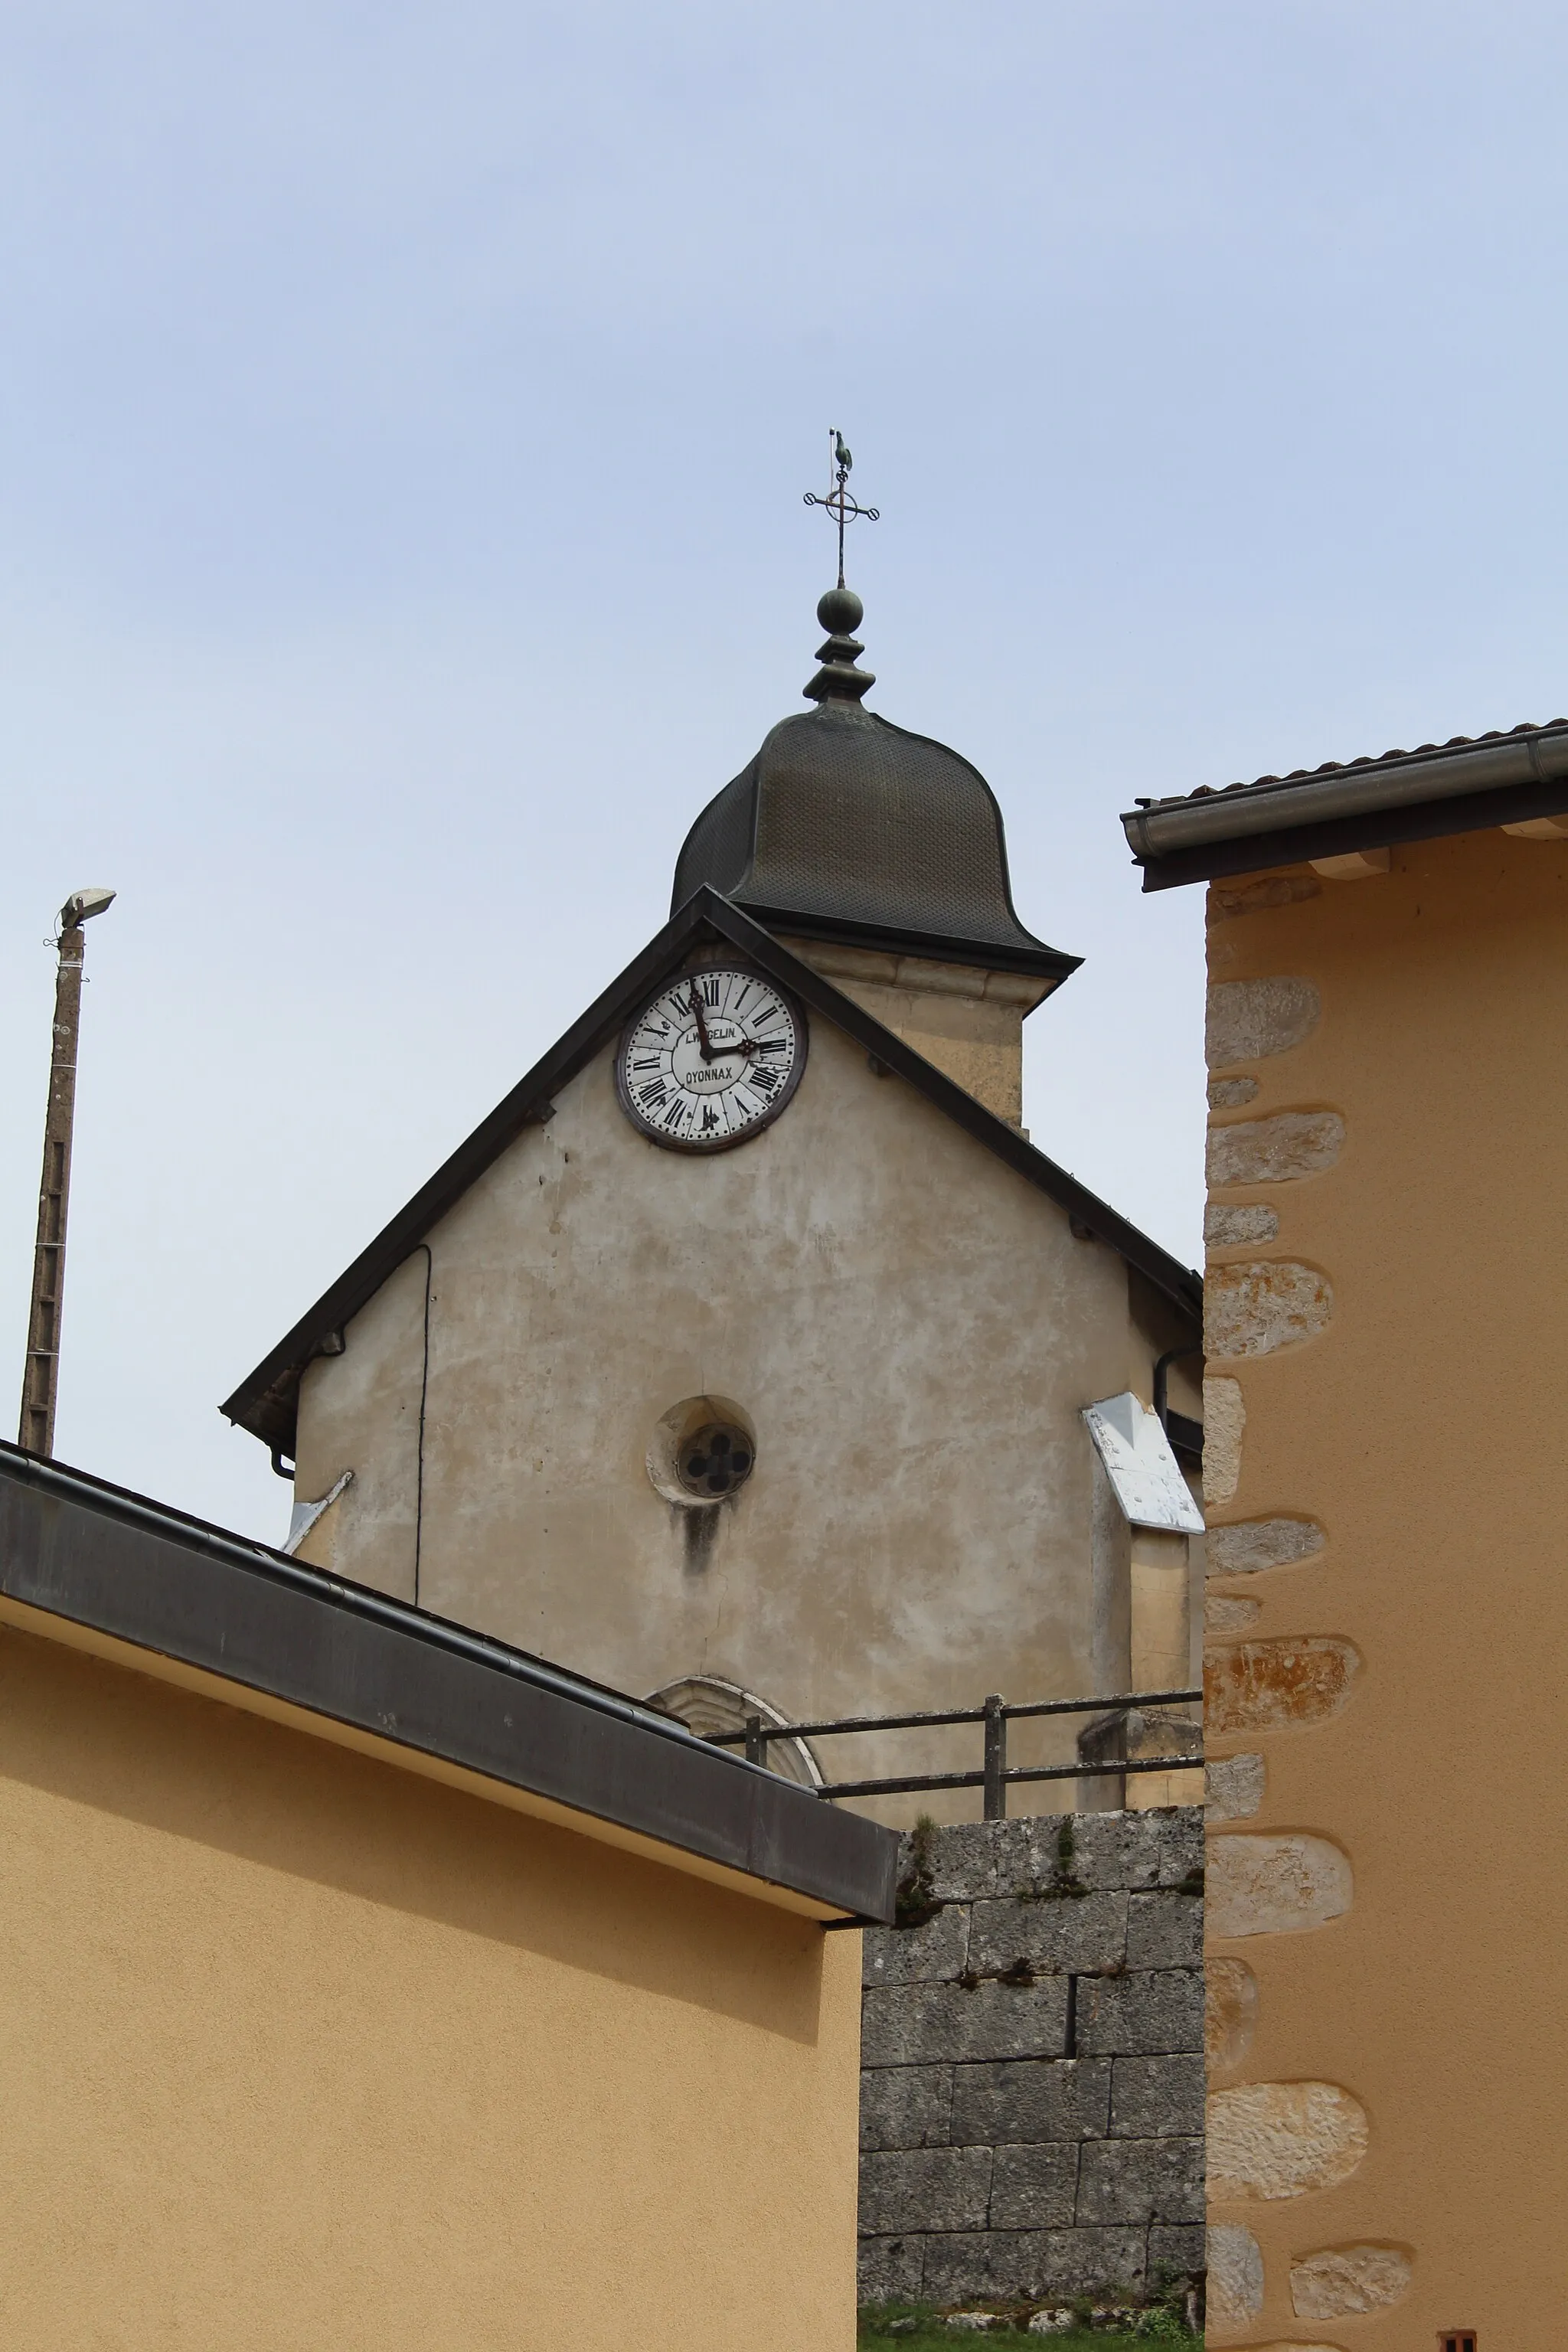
<point x="741" y="1357"/>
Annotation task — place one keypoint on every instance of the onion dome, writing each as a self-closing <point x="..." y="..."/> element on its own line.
<point x="847" y="827"/>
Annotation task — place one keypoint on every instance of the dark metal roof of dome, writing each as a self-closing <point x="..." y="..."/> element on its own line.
<point x="846" y="827"/>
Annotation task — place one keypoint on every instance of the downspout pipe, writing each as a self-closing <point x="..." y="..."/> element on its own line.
<point x="1162" y="1380"/>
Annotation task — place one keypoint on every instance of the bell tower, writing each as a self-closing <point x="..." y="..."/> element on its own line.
<point x="879" y="858"/>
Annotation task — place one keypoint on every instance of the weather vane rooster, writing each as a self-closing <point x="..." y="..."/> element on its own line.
<point x="838" y="502"/>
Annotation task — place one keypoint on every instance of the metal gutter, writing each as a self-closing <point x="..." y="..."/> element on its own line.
<point x="358" y="1599"/>
<point x="138" y="1573"/>
<point x="1419" y="796"/>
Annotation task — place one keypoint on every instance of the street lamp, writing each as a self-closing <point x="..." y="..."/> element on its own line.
<point x="40" y="1381"/>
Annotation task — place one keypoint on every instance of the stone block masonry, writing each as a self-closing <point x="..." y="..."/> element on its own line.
<point x="1032" y="2066"/>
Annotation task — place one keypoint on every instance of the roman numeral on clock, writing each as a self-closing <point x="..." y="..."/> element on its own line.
<point x="711" y="1059"/>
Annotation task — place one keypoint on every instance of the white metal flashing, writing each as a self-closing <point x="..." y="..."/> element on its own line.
<point x="304" y="1516"/>
<point x="1145" y="1474"/>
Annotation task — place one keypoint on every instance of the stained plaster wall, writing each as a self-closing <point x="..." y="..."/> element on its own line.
<point x="1387" y="1923"/>
<point x="912" y="1329"/>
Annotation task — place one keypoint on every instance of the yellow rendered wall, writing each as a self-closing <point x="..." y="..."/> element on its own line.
<point x="305" y="2054"/>
<point x="1388" y="1904"/>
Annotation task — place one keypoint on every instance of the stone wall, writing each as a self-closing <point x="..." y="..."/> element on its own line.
<point x="1032" y="2070"/>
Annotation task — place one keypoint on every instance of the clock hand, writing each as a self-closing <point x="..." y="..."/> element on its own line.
<point x="702" y="1023"/>
<point x="744" y="1049"/>
<point x="711" y="1053"/>
<point x="744" y="1044"/>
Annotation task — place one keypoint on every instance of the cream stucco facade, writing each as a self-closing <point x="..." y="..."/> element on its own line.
<point x="304" y="2049"/>
<point x="909" y="1328"/>
<point x="1387" y="1917"/>
<point x="969" y="1022"/>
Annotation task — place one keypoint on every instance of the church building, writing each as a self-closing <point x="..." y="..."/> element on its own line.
<point x="741" y="1357"/>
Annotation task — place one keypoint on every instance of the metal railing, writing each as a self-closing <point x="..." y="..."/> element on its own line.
<point x="995" y="1774"/>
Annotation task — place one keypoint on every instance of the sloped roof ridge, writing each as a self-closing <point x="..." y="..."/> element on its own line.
<point x="264" y="1402"/>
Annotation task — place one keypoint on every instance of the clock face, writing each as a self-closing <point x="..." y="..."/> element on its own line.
<point x="711" y="1059"/>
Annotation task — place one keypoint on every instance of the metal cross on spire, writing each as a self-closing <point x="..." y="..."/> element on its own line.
<point x="838" y="502"/>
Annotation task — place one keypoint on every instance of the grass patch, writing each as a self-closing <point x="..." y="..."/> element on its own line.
<point x="919" y="2327"/>
<point x="915" y="1899"/>
<point x="931" y="2334"/>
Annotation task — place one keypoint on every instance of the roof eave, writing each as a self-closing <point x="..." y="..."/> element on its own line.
<point x="1028" y="956"/>
<point x="1468" y="789"/>
<point x="1182" y="1285"/>
<point x="428" y="1694"/>
<point x="266" y="1402"/>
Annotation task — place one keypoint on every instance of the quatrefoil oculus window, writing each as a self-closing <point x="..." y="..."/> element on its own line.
<point x="715" y="1461"/>
<point x="701" y="1452"/>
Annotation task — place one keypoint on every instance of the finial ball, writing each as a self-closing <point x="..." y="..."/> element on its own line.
<point x="840" y="612"/>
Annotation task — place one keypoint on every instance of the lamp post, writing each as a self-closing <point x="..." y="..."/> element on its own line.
<point x="40" y="1381"/>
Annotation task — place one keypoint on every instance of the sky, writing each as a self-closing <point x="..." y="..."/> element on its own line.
<point x="406" y="413"/>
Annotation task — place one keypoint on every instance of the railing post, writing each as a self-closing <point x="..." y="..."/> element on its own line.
<point x="996" y="1760"/>
<point x="756" y="1745"/>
